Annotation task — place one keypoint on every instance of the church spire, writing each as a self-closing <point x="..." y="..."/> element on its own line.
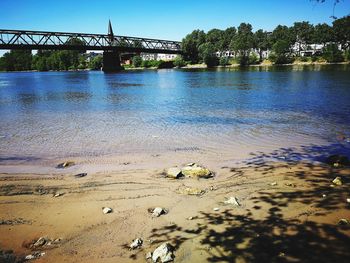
<point x="110" y="30"/>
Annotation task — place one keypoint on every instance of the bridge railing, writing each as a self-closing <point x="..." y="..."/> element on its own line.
<point x="19" y="39"/>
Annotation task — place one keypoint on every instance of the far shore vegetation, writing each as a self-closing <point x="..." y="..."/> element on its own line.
<point x="302" y="43"/>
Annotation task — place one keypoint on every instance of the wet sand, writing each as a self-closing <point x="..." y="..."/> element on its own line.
<point x="289" y="212"/>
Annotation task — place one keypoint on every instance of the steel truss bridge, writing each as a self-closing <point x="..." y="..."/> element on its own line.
<point x="111" y="44"/>
<point x="23" y="39"/>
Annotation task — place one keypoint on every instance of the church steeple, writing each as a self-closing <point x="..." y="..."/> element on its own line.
<point x="110" y="31"/>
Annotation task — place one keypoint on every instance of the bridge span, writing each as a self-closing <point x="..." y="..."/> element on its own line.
<point x="111" y="45"/>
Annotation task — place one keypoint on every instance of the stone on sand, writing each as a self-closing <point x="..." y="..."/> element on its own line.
<point x="174" y="172"/>
<point x="232" y="201"/>
<point x="65" y="164"/>
<point x="196" y="171"/>
<point x="158" y="211"/>
<point x="34" y="255"/>
<point x="136" y="243"/>
<point x="163" y="253"/>
<point x="337" y="181"/>
<point x="107" y="210"/>
<point x="40" y="242"/>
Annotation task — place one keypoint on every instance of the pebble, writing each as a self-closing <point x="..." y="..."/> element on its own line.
<point x="190" y="218"/>
<point x="323" y="195"/>
<point x="58" y="194"/>
<point x="107" y="210"/>
<point x="232" y="201"/>
<point x="65" y="164"/>
<point x="174" y="172"/>
<point x="40" y="242"/>
<point x="34" y="255"/>
<point x="158" y="211"/>
<point x="136" y="243"/>
<point x="273" y="184"/>
<point x="216" y="208"/>
<point x="337" y="181"/>
<point x="348" y="200"/>
<point x="80" y="175"/>
<point x="149" y="255"/>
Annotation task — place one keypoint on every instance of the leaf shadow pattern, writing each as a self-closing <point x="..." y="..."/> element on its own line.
<point x="274" y="237"/>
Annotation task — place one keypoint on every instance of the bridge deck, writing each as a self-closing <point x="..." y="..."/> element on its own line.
<point x="23" y="39"/>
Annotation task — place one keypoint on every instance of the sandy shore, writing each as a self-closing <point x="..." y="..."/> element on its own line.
<point x="288" y="212"/>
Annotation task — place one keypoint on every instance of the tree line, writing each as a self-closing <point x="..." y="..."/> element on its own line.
<point x="199" y="46"/>
<point x="44" y="60"/>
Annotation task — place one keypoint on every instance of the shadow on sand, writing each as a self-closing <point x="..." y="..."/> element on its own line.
<point x="228" y="236"/>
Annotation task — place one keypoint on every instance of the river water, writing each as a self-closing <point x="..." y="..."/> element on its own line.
<point x="228" y="113"/>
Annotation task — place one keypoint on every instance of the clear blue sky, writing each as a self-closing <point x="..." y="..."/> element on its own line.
<point x="161" y="18"/>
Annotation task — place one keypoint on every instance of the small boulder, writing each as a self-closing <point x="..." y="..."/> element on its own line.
<point x="136" y="243"/>
<point x="107" y="210"/>
<point x="158" y="211"/>
<point x="196" y="171"/>
<point x="337" y="181"/>
<point x="174" y="173"/>
<point x="148" y="255"/>
<point x="163" y="253"/>
<point x="232" y="201"/>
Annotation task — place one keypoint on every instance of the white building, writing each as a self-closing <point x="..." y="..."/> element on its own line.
<point x="159" y="56"/>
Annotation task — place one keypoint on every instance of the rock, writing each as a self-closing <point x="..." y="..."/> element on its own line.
<point x="216" y="208"/>
<point x="136" y="243"/>
<point x="40" y="242"/>
<point x="189" y="190"/>
<point x="164" y="253"/>
<point x="232" y="201"/>
<point x="158" y="211"/>
<point x="338" y="160"/>
<point x="343" y="222"/>
<point x="107" y="210"/>
<point x="190" y="218"/>
<point x="337" y="181"/>
<point x="348" y="200"/>
<point x="174" y="172"/>
<point x="34" y="255"/>
<point x="196" y="171"/>
<point x="190" y="164"/>
<point x="80" y="175"/>
<point x="65" y="164"/>
<point x="148" y="255"/>
<point x="273" y="184"/>
<point x="58" y="194"/>
<point x="324" y="196"/>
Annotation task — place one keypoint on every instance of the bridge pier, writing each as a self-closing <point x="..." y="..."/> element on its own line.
<point x="111" y="61"/>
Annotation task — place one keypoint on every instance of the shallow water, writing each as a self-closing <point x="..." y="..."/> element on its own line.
<point x="230" y="113"/>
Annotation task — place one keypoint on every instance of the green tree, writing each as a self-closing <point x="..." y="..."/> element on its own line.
<point x="207" y="54"/>
<point x="261" y="42"/>
<point x="179" y="62"/>
<point x="17" y="60"/>
<point x="215" y="38"/>
<point x="331" y="53"/>
<point x="322" y="34"/>
<point x="96" y="62"/>
<point x="281" y="52"/>
<point x="190" y="45"/>
<point x="227" y="37"/>
<point x="137" y="61"/>
<point x="243" y="42"/>
<point x="341" y="29"/>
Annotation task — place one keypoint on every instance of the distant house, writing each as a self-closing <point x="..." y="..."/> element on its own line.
<point x="159" y="56"/>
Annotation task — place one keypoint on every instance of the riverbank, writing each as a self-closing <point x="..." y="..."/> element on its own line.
<point x="286" y="211"/>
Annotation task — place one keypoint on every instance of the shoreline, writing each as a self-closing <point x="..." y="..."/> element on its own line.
<point x="200" y="66"/>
